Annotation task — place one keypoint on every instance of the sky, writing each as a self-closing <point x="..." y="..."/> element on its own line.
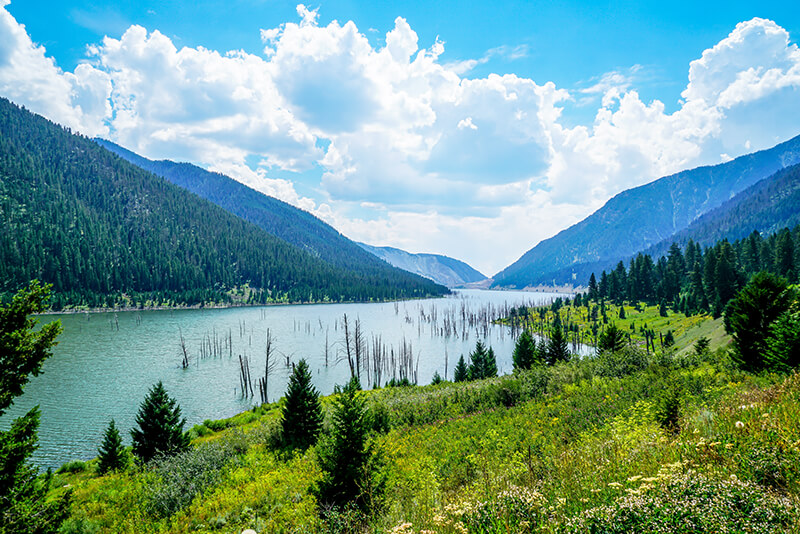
<point x="472" y="129"/>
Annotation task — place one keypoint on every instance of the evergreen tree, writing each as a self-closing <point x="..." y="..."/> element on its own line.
<point x="437" y="378"/>
<point x="611" y="340"/>
<point x="490" y="370"/>
<point x="160" y="429"/>
<point x="749" y="316"/>
<point x="111" y="455"/>
<point x="461" y="373"/>
<point x="662" y="308"/>
<point x="669" y="339"/>
<point x="783" y="345"/>
<point x="557" y="346"/>
<point x="346" y="457"/>
<point x="784" y="255"/>
<point x="478" y="367"/>
<point x="525" y="354"/>
<point x="302" y="412"/>
<point x="23" y="348"/>
<point x="592" y="295"/>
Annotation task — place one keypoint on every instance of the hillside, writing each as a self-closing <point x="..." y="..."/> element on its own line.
<point x="641" y="217"/>
<point x="441" y="269"/>
<point x="584" y="446"/>
<point x="293" y="225"/>
<point x="105" y="232"/>
<point x="766" y="207"/>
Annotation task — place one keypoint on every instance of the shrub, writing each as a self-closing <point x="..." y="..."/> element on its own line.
<point x="620" y="363"/>
<point x="75" y="466"/>
<point x="691" y="502"/>
<point x="177" y="479"/>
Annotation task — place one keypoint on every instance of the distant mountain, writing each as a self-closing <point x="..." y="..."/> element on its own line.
<point x="765" y="207"/>
<point x="293" y="225"/>
<point x="102" y="230"/>
<point x="441" y="269"/>
<point x="641" y="217"/>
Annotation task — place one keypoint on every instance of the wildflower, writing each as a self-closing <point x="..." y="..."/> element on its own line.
<point x="729" y="446"/>
<point x="739" y="424"/>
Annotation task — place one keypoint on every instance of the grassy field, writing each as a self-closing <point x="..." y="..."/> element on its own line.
<point x="638" y="316"/>
<point x="670" y="442"/>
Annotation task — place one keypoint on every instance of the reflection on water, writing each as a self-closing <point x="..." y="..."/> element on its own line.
<point x="105" y="362"/>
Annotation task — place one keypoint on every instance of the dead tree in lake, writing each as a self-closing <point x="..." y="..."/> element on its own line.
<point x="348" y="343"/>
<point x="245" y="381"/>
<point x="270" y="363"/>
<point x="184" y="351"/>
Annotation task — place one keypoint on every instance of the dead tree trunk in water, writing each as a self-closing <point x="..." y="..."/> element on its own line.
<point x="270" y="363"/>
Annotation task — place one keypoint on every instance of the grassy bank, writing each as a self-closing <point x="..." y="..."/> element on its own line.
<point x="586" y="323"/>
<point x="672" y="442"/>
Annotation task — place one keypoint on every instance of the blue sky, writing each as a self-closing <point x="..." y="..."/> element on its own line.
<point x="474" y="129"/>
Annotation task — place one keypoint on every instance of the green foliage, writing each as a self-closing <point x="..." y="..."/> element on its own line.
<point x="347" y="458"/>
<point x="106" y="232"/>
<point x="668" y="408"/>
<point x="611" y="340"/>
<point x="701" y="349"/>
<point x="620" y="363"/>
<point x="302" y="410"/>
<point x="461" y="373"/>
<point x="750" y="314"/>
<point x="175" y="480"/>
<point x="525" y="354"/>
<point x="691" y="502"/>
<point x="23" y="349"/>
<point x="669" y="339"/>
<point x="160" y="431"/>
<point x="437" y="378"/>
<point x="484" y="362"/>
<point x="557" y="345"/>
<point x="783" y="344"/>
<point x="111" y="455"/>
<point x="75" y="466"/>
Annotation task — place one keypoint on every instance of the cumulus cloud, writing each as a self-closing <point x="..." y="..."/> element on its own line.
<point x="28" y="77"/>
<point x="400" y="148"/>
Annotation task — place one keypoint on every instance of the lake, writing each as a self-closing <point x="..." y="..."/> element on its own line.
<point x="105" y="363"/>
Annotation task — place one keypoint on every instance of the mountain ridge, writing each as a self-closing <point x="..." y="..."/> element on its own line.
<point x="640" y="217"/>
<point x="442" y="269"/>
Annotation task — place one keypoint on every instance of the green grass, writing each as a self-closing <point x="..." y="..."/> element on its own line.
<point x="574" y="448"/>
<point x="686" y="330"/>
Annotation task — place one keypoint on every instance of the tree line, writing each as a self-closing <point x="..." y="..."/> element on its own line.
<point x="104" y="232"/>
<point x="700" y="280"/>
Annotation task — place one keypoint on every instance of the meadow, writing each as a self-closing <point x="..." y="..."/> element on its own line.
<point x="675" y="440"/>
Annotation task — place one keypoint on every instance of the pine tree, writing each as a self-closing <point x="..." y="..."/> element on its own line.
<point x="160" y="429"/>
<point x="525" y="354"/>
<point x="611" y="340"/>
<point x="592" y="295"/>
<point x="783" y="345"/>
<point x="490" y="369"/>
<point x="478" y="367"/>
<point x="111" y="455"/>
<point x="461" y="373"/>
<point x="749" y="316"/>
<point x="302" y="412"/>
<point x="23" y="349"/>
<point x="346" y="458"/>
<point x="557" y="346"/>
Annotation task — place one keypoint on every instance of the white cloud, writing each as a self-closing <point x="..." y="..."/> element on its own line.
<point x="404" y="149"/>
<point x="30" y="78"/>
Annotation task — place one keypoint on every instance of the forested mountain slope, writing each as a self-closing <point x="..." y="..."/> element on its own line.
<point x="441" y="269"/>
<point x="97" y="228"/>
<point x="766" y="207"/>
<point x="283" y="220"/>
<point x="643" y="216"/>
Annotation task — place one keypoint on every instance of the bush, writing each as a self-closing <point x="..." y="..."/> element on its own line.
<point x="692" y="502"/>
<point x="176" y="480"/>
<point x="75" y="466"/>
<point x="618" y="364"/>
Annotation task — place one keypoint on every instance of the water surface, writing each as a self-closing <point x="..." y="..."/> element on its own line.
<point x="105" y="363"/>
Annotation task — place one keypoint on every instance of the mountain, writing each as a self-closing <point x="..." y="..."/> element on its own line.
<point x="102" y="230"/>
<point x="765" y="207"/>
<point x="443" y="270"/>
<point x="280" y="219"/>
<point x="641" y="217"/>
